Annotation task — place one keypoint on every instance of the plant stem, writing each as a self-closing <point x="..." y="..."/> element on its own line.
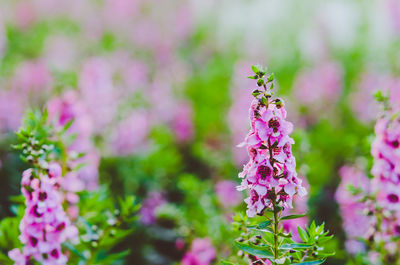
<point x="276" y="227"/>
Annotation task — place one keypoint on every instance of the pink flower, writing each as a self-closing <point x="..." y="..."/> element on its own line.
<point x="130" y="135"/>
<point x="238" y="119"/>
<point x="182" y="122"/>
<point x="271" y="172"/>
<point x="319" y="85"/>
<point x="227" y="195"/>
<point x="98" y="92"/>
<point x="355" y="223"/>
<point x="149" y="207"/>
<point x="69" y="108"/>
<point x="32" y="76"/>
<point x="363" y="101"/>
<point x="386" y="168"/>
<point x="300" y="207"/>
<point x="393" y="8"/>
<point x="45" y="226"/>
<point x="11" y="110"/>
<point x="201" y="253"/>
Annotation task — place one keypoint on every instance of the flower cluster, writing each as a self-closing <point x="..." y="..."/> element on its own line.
<point x="149" y="207"/>
<point x="299" y="207"/>
<point x="352" y="208"/>
<point x="386" y="171"/>
<point x="45" y="225"/>
<point x="270" y="175"/>
<point x="69" y="108"/>
<point x="226" y="194"/>
<point x="201" y="253"/>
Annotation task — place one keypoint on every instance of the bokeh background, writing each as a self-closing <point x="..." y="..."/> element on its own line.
<point x="159" y="91"/>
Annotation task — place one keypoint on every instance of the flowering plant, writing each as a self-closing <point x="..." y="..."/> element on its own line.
<point x="378" y="199"/>
<point x="50" y="234"/>
<point x="271" y="179"/>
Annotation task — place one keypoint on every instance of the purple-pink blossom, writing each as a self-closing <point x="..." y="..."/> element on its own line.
<point x="226" y="193"/>
<point x="386" y="171"/>
<point x="270" y="176"/>
<point x="69" y="108"/>
<point x="182" y="122"/>
<point x="238" y="119"/>
<point x="300" y="207"/>
<point x="45" y="225"/>
<point x="355" y="222"/>
<point x="149" y="207"/>
<point x="130" y="135"/>
<point x="201" y="252"/>
<point x="319" y="85"/>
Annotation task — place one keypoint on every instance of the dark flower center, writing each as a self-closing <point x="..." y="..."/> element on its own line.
<point x="393" y="198"/>
<point x="42" y="196"/>
<point x="54" y="253"/>
<point x="35" y="212"/>
<point x="264" y="171"/>
<point x="274" y="123"/>
<point x="60" y="227"/>
<point x="254" y="197"/>
<point x="33" y="241"/>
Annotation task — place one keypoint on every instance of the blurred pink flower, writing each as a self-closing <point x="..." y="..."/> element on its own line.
<point x="68" y="108"/>
<point x="149" y="207"/>
<point x="319" y="86"/>
<point x="182" y="122"/>
<point x="179" y="243"/>
<point x="393" y="7"/>
<point x="11" y="110"/>
<point x="363" y="102"/>
<point x="201" y="253"/>
<point x="355" y="223"/>
<point x="238" y="119"/>
<point x="120" y="13"/>
<point x="98" y="94"/>
<point x="61" y="52"/>
<point x="25" y="14"/>
<point x="32" y="77"/>
<point x="130" y="135"/>
<point x="300" y="207"/>
<point x="227" y="194"/>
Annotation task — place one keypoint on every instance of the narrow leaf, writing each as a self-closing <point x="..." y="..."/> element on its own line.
<point x="224" y="262"/>
<point x="303" y="234"/>
<point x="295" y="246"/>
<point x="258" y="251"/>
<point x="316" y="262"/>
<point x="294" y="216"/>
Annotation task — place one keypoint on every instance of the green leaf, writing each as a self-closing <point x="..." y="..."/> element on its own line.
<point x="316" y="262"/>
<point x="264" y="224"/>
<point x="224" y="262"/>
<point x="258" y="251"/>
<point x="303" y="234"/>
<point x="270" y="78"/>
<point x="253" y="77"/>
<point x="285" y="235"/>
<point x="260" y="82"/>
<point x="293" y="216"/>
<point x="378" y="95"/>
<point x="295" y="246"/>
<point x="257" y="68"/>
<point x="72" y="248"/>
<point x="256" y="93"/>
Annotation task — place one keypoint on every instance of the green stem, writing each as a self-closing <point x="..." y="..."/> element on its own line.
<point x="276" y="227"/>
